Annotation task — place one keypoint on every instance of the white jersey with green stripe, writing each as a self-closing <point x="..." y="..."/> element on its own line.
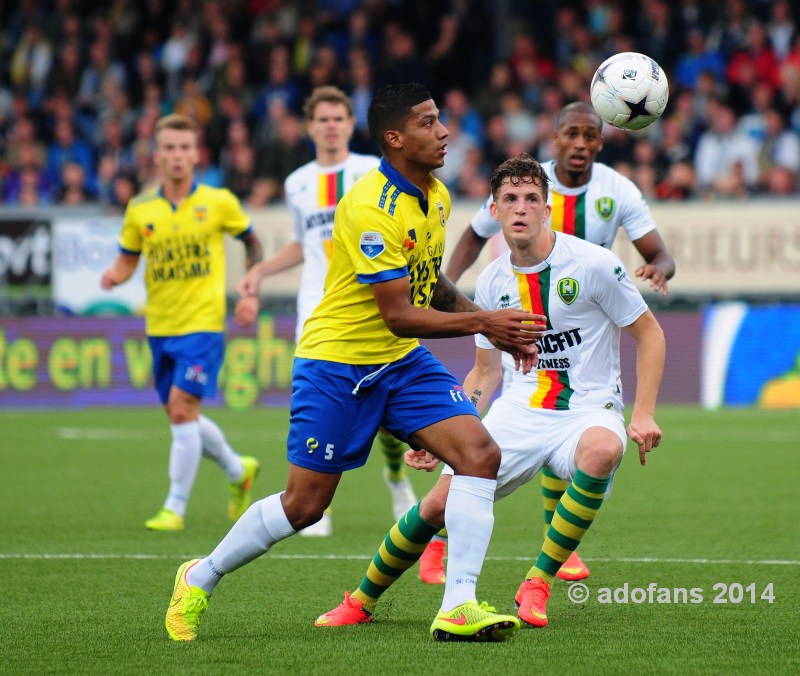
<point x="594" y="212"/>
<point x="587" y="296"/>
<point x="312" y="193"/>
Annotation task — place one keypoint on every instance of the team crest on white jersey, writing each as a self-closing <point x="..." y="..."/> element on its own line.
<point x="605" y="207"/>
<point x="371" y="244"/>
<point x="567" y="289"/>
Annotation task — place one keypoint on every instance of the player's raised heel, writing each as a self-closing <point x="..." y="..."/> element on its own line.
<point x="531" y="600"/>
<point x="186" y="607"/>
<point x="573" y="569"/>
<point x="473" y="622"/>
<point x="240" y="491"/>
<point x="431" y="563"/>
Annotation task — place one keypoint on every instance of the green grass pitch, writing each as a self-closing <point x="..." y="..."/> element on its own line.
<point x="84" y="587"/>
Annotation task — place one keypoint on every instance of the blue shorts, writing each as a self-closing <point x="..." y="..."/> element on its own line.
<point x="191" y="363"/>
<point x="336" y="409"/>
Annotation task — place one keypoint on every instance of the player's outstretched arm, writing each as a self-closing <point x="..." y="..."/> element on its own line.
<point x="465" y="253"/>
<point x="120" y="271"/>
<point x="659" y="265"/>
<point x="514" y="328"/>
<point x="650" y="355"/>
<point x="447" y="298"/>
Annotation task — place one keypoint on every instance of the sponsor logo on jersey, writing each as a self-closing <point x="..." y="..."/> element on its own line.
<point x="411" y="239"/>
<point x="605" y="207"/>
<point x="567" y="289"/>
<point x="505" y="300"/>
<point x="550" y="343"/>
<point x="458" y="394"/>
<point x="371" y="244"/>
<point x="619" y="273"/>
<point x="440" y="207"/>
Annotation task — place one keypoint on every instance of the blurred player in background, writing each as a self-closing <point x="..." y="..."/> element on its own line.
<point x="589" y="200"/>
<point x="359" y="365"/>
<point x="312" y="193"/>
<point x="178" y="226"/>
<point x="567" y="414"/>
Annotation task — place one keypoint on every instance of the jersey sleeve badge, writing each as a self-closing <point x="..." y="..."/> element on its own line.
<point x="371" y="244"/>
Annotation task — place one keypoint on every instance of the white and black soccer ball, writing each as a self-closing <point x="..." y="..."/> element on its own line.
<point x="629" y="90"/>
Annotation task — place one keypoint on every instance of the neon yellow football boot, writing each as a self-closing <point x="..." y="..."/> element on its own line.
<point x="240" y="497"/>
<point x="186" y="607"/>
<point x="473" y="622"/>
<point x="165" y="520"/>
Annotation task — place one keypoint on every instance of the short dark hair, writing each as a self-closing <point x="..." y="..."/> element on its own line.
<point x="578" y="107"/>
<point x="390" y="107"/>
<point x="518" y="170"/>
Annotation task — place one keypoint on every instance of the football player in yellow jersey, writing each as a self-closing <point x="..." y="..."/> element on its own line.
<point x="178" y="227"/>
<point x="312" y="193"/>
<point x="359" y="365"/>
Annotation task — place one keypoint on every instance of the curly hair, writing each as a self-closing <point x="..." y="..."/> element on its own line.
<point x="518" y="170"/>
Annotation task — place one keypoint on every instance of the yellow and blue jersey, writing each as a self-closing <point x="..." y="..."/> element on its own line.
<point x="384" y="229"/>
<point x="184" y="256"/>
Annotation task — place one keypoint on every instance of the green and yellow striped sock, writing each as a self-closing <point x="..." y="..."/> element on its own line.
<point x="401" y="548"/>
<point x="393" y="450"/>
<point x="573" y="515"/>
<point x="552" y="490"/>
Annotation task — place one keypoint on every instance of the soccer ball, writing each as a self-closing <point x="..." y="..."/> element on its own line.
<point x="629" y="90"/>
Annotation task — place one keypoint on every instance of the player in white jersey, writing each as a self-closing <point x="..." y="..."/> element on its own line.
<point x="589" y="200"/>
<point x="312" y="193"/>
<point x="566" y="414"/>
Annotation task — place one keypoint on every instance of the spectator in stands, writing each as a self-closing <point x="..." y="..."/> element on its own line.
<point x="65" y="75"/>
<point x="678" y="185"/>
<point x="26" y="181"/>
<point x="99" y="69"/>
<point x="459" y="146"/>
<point x="281" y="87"/>
<point x="279" y="157"/>
<point x="726" y="161"/>
<point x="360" y="96"/>
<point x="67" y="147"/>
<point x="206" y="171"/>
<point x="780" y="150"/>
<point x="124" y="189"/>
<point x="487" y="100"/>
<point x="456" y="106"/>
<point x="697" y="59"/>
<point x="781" y="28"/>
<point x="73" y="189"/>
<point x="31" y="60"/>
<point x="174" y="57"/>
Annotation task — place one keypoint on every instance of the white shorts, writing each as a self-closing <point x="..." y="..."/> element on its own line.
<point x="530" y="439"/>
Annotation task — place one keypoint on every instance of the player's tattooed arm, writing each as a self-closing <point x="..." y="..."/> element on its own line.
<point x="447" y="298"/>
<point x="475" y="397"/>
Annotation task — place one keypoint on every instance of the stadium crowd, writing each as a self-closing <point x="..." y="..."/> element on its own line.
<point x="82" y="84"/>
